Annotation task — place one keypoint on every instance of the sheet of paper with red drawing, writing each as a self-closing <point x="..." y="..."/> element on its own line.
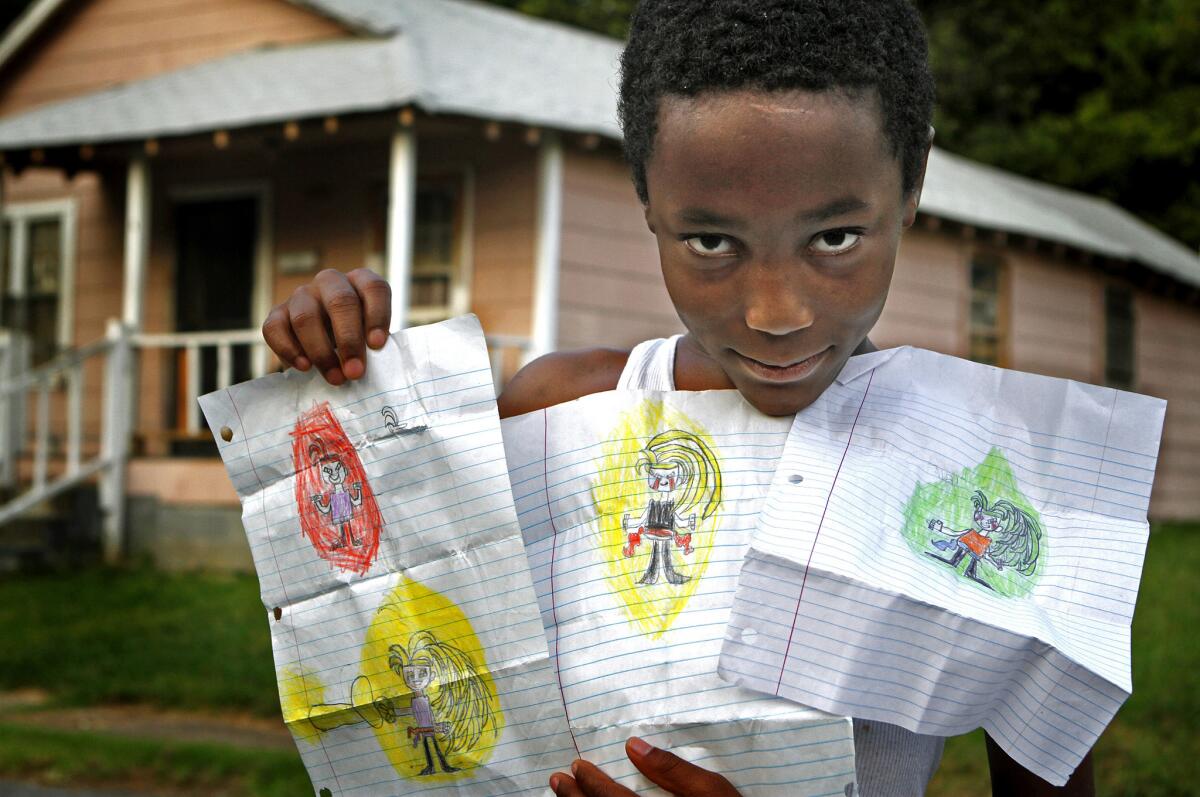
<point x="948" y="545"/>
<point x="406" y="634"/>
<point x="637" y="509"/>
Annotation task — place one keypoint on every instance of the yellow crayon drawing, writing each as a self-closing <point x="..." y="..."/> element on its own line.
<point x="299" y="691"/>
<point x="657" y="496"/>
<point x="424" y="687"/>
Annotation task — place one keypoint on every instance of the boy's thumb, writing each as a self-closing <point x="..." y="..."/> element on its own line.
<point x="674" y="774"/>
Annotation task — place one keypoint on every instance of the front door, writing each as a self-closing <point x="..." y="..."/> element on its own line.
<point x="215" y="243"/>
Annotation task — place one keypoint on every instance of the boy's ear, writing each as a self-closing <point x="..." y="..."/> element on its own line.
<point x="646" y="215"/>
<point x="913" y="200"/>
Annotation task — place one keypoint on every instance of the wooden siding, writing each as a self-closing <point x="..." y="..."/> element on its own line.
<point x="1167" y="365"/>
<point x="929" y="298"/>
<point x="505" y="238"/>
<point x="100" y="43"/>
<point x="611" y="290"/>
<point x="1056" y="318"/>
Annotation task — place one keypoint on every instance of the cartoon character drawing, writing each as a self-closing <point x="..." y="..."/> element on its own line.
<point x="337" y="509"/>
<point x="1002" y="534"/>
<point x="682" y="472"/>
<point x="391" y="419"/>
<point x="447" y="700"/>
<point x="338" y="502"/>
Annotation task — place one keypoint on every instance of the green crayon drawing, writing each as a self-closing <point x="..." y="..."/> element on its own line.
<point x="981" y="517"/>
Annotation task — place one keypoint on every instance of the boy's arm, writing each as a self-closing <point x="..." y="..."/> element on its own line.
<point x="560" y="377"/>
<point x="1010" y="778"/>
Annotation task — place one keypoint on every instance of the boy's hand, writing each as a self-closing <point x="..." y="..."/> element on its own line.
<point x="334" y="311"/>
<point x="664" y="768"/>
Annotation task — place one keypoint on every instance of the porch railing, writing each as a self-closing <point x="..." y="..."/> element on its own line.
<point x="36" y="465"/>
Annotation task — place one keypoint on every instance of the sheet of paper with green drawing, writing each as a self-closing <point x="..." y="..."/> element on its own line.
<point x="637" y="509"/>
<point x="947" y="545"/>
<point x="407" y="639"/>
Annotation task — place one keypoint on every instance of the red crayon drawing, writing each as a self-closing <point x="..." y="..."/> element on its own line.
<point x="338" y="512"/>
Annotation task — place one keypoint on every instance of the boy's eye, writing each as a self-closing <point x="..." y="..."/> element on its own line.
<point x="709" y="245"/>
<point x="835" y="242"/>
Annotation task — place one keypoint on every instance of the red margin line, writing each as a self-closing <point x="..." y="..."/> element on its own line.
<point x="828" y="498"/>
<point x="553" y="550"/>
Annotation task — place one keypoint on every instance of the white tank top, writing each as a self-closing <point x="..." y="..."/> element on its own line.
<point x="889" y="760"/>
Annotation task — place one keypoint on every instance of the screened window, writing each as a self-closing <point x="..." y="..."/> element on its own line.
<point x="1118" y="337"/>
<point x="32" y="279"/>
<point x="437" y="289"/>
<point x="988" y="313"/>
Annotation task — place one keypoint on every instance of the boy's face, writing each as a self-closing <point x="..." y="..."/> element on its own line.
<point x="778" y="216"/>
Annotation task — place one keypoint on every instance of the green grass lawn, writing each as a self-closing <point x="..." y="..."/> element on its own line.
<point x="201" y="641"/>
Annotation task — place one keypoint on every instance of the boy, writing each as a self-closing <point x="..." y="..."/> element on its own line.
<point x="778" y="148"/>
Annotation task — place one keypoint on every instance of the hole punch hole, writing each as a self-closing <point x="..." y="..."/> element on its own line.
<point x="226" y="433"/>
<point x="795" y="478"/>
<point x="748" y="636"/>
<point x="278" y="613"/>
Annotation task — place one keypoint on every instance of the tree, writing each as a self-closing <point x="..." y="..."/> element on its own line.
<point x="610" y="17"/>
<point x="1100" y="96"/>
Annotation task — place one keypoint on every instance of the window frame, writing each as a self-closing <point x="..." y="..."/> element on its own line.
<point x="1003" y="326"/>
<point x="20" y="216"/>
<point x="1111" y="289"/>
<point x="461" y="180"/>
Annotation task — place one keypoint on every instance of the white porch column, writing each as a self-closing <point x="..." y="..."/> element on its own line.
<point x="402" y="205"/>
<point x="137" y="241"/>
<point x="549" y="246"/>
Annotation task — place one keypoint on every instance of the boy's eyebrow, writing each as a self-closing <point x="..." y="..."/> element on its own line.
<point x="702" y="217"/>
<point x="835" y="208"/>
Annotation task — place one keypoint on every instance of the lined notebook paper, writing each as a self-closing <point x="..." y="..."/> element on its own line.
<point x="637" y="509"/>
<point x="947" y="545"/>
<point x="407" y="638"/>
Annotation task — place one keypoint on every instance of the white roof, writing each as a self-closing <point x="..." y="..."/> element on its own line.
<point x="458" y="56"/>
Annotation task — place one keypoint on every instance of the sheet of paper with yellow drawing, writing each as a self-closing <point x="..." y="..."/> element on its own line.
<point x="948" y="545"/>
<point x="637" y="509"/>
<point x="406" y="633"/>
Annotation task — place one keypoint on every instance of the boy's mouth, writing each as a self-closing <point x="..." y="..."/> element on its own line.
<point x="783" y="372"/>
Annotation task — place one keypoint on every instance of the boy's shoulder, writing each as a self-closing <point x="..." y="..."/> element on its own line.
<point x="562" y="376"/>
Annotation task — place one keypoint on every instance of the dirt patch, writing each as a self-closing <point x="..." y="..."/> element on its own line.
<point x="23" y="698"/>
<point x="144" y="722"/>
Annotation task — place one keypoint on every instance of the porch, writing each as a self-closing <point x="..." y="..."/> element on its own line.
<point x="172" y="252"/>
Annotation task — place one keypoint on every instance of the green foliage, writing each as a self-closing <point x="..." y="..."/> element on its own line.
<point x="95" y="759"/>
<point x="126" y="636"/>
<point x="610" y="17"/>
<point x="949" y="501"/>
<point x="1100" y="97"/>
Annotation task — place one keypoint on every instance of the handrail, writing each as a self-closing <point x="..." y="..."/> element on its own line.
<point x="117" y="349"/>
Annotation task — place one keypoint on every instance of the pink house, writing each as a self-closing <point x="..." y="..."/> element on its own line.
<point x="174" y="169"/>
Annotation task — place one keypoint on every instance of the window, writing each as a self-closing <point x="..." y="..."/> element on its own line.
<point x="1118" y="337"/>
<point x="438" y="287"/>
<point x="988" y="339"/>
<point x="37" y="272"/>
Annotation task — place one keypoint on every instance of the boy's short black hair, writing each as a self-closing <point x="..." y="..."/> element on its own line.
<point x="686" y="47"/>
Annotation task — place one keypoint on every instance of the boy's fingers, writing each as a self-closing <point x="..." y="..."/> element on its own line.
<point x="564" y="786"/>
<point x="376" y="296"/>
<point x="674" y="774"/>
<point x="277" y="332"/>
<point x="595" y="783"/>
<point x="345" y="312"/>
<point x="308" y="322"/>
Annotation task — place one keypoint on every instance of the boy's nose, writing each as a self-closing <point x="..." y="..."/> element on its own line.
<point x="776" y="304"/>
